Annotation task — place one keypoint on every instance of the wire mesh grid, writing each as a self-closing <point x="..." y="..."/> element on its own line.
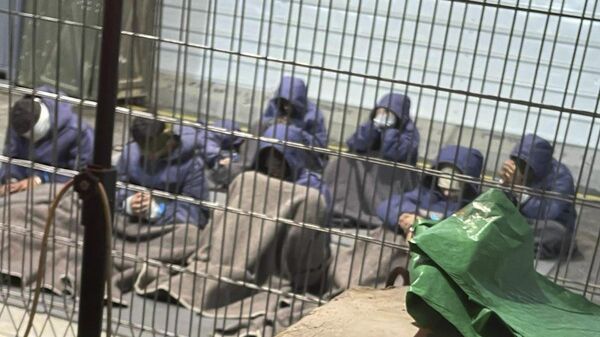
<point x="225" y="246"/>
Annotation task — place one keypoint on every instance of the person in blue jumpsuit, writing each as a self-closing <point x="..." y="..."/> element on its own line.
<point x="162" y="157"/>
<point x="531" y="164"/>
<point x="290" y="105"/>
<point x="47" y="132"/>
<point x="437" y="197"/>
<point x="389" y="133"/>
<point x="288" y="163"/>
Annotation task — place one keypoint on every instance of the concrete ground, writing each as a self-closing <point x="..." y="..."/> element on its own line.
<point x="583" y="269"/>
<point x="156" y="317"/>
<point x="337" y="318"/>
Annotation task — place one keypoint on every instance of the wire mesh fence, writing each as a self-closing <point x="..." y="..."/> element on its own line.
<point x="274" y="153"/>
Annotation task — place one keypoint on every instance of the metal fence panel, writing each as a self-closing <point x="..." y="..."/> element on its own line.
<point x="478" y="74"/>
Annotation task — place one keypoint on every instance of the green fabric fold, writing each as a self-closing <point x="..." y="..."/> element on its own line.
<point x="473" y="274"/>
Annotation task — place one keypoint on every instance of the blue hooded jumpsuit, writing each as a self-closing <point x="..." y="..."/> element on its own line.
<point x="307" y="117"/>
<point x="67" y="145"/>
<point x="181" y="172"/>
<point x="295" y="158"/>
<point x="399" y="143"/>
<point x="427" y="200"/>
<point x="553" y="220"/>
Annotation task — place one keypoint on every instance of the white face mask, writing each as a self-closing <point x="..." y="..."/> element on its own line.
<point x="445" y="183"/>
<point x="524" y="198"/>
<point x="384" y="119"/>
<point x="42" y="126"/>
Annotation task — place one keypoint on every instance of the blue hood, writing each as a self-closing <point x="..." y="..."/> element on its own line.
<point x="296" y="159"/>
<point x="187" y="143"/>
<point x="185" y="150"/>
<point x="397" y="103"/>
<point x="468" y="160"/>
<point x="61" y="113"/>
<point x="294" y="90"/>
<point x="228" y="142"/>
<point x="537" y="152"/>
<point x="68" y="145"/>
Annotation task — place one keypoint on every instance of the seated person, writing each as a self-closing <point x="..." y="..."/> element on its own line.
<point x="436" y="198"/>
<point x="389" y="133"/>
<point x="250" y="249"/>
<point x="359" y="186"/>
<point x="162" y="157"/>
<point x="46" y="132"/>
<point x="290" y="105"/>
<point x="288" y="163"/>
<point x="531" y="164"/>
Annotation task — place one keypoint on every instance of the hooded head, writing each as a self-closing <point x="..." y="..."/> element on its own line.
<point x="29" y="117"/>
<point x="467" y="161"/>
<point x="229" y="142"/>
<point x="292" y="91"/>
<point x="535" y="152"/>
<point x="157" y="139"/>
<point x="398" y="104"/>
<point x="295" y="160"/>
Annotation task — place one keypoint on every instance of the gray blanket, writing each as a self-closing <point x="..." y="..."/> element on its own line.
<point x="368" y="263"/>
<point x="25" y="216"/>
<point x="362" y="264"/>
<point x="242" y="257"/>
<point x="263" y="274"/>
<point x="359" y="187"/>
<point x="244" y="252"/>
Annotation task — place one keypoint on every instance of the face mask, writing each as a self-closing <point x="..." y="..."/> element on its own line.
<point x="524" y="198"/>
<point x="384" y="120"/>
<point x="42" y="126"/>
<point x="445" y="183"/>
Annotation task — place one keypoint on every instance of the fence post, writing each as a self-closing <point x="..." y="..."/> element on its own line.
<point x="94" y="252"/>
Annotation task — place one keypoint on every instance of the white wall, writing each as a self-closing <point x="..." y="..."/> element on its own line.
<point x="542" y="62"/>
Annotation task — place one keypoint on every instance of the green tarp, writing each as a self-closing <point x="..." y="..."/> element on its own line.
<point x="472" y="274"/>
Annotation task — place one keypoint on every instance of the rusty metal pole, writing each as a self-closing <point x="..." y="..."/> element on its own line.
<point x="93" y="273"/>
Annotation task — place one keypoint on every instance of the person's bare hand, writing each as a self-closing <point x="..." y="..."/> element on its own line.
<point x="405" y="221"/>
<point x="22" y="185"/>
<point x="3" y="189"/>
<point x="225" y="161"/>
<point x="507" y="173"/>
<point x="140" y="203"/>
